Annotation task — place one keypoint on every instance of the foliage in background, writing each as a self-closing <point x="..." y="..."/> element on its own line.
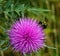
<point x="42" y="10"/>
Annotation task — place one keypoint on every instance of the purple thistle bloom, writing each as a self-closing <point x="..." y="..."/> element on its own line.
<point x="26" y="35"/>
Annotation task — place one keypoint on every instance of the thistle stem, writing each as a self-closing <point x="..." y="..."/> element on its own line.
<point x="29" y="54"/>
<point x="2" y="54"/>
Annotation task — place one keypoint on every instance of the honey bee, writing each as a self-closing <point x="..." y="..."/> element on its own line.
<point x="44" y="25"/>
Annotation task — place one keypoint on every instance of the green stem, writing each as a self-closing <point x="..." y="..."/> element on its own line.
<point x="47" y="3"/>
<point x="28" y="54"/>
<point x="2" y="54"/>
<point x="56" y="42"/>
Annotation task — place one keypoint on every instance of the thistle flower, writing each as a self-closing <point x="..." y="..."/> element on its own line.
<point x="26" y="35"/>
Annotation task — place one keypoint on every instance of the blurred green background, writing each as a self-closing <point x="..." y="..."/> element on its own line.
<point x="46" y="11"/>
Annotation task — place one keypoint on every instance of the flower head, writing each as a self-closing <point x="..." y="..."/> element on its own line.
<point x="26" y="35"/>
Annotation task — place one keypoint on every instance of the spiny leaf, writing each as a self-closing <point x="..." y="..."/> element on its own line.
<point x="38" y="9"/>
<point x="50" y="47"/>
<point x="19" y="8"/>
<point x="2" y="42"/>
